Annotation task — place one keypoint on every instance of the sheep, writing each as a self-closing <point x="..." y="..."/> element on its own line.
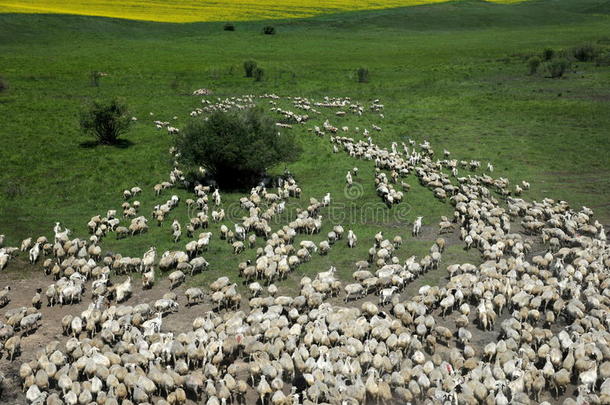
<point x="193" y="295"/>
<point x="417" y="226"/>
<point x="4" y="296"/>
<point x="351" y="239"/>
<point x="123" y="290"/>
<point x="34" y="253"/>
<point x="176" y="278"/>
<point x="352" y="290"/>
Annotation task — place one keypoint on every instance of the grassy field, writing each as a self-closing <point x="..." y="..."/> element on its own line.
<point x="452" y="73"/>
<point x="191" y="11"/>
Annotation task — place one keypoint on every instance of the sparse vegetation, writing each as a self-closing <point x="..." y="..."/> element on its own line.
<point x="548" y="54"/>
<point x="258" y="74"/>
<point x="363" y="75"/>
<point x="106" y="121"/>
<point x="249" y="67"/>
<point x="533" y="64"/>
<point x="586" y="52"/>
<point x="556" y="68"/>
<point x="269" y="30"/>
<point x="3" y="84"/>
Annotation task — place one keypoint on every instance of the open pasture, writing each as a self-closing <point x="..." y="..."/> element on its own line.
<point x="464" y="261"/>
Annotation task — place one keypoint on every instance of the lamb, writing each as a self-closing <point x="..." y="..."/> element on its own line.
<point x="34" y="253"/>
<point x="148" y="278"/>
<point x="26" y="244"/>
<point x="351" y="239"/>
<point x="165" y="305"/>
<point x="417" y="226"/>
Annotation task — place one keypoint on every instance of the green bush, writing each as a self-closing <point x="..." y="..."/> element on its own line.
<point x="557" y="67"/>
<point x="249" y="67"/>
<point x="95" y="77"/>
<point x="106" y="121"/>
<point x="363" y="75"/>
<point x="269" y="30"/>
<point x="259" y="74"/>
<point x="602" y="59"/>
<point x="235" y="147"/>
<point x="3" y="84"/>
<point x="548" y="54"/>
<point x="585" y="53"/>
<point x="229" y="27"/>
<point x="533" y="64"/>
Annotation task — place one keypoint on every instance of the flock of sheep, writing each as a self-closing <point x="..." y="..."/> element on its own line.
<point x="548" y="310"/>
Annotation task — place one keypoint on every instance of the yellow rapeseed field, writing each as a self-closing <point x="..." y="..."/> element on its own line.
<point x="203" y="10"/>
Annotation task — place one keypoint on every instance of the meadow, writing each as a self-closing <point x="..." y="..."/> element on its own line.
<point x="452" y="73"/>
<point x="191" y="11"/>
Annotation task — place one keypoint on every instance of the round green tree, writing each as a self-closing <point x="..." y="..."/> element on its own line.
<point x="235" y="148"/>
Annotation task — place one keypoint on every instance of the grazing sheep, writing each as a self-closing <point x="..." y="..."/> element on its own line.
<point x="176" y="278"/>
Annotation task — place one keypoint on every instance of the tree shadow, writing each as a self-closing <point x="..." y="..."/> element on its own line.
<point x="120" y="143"/>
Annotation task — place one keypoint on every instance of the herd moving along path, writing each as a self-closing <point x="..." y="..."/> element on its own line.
<point x="522" y="327"/>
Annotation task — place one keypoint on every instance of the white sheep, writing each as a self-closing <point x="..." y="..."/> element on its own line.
<point x="176" y="278"/>
<point x="351" y="239"/>
<point x="123" y="290"/>
<point x="417" y="226"/>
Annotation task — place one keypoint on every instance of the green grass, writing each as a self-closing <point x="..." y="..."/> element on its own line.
<point x="452" y="73"/>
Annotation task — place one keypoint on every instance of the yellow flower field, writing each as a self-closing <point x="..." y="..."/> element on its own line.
<point x="203" y="10"/>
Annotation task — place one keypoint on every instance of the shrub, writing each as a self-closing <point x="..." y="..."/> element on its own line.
<point x="106" y="121"/>
<point x="533" y="64"/>
<point x="603" y="59"/>
<point x="229" y="27"/>
<point x="235" y="147"/>
<point x="363" y="75"/>
<point x="95" y="77"/>
<point x="269" y="30"/>
<point x="3" y="84"/>
<point x="585" y="53"/>
<point x="557" y="67"/>
<point x="249" y="67"/>
<point x="259" y="74"/>
<point x="548" y="54"/>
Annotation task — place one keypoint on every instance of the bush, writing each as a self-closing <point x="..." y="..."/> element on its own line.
<point x="106" y="121"/>
<point x="548" y="54"/>
<point x="268" y="30"/>
<point x="603" y="59"/>
<point x="95" y="77"/>
<point x="3" y="84"/>
<point x="249" y="67"/>
<point x="363" y="75"/>
<point x="259" y="74"/>
<point x="235" y="147"/>
<point x="557" y="67"/>
<point x="533" y="64"/>
<point x="229" y="27"/>
<point x="585" y="53"/>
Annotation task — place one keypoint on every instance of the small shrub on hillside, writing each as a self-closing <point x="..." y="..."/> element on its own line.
<point x="603" y="59"/>
<point x="249" y="67"/>
<point x="3" y="84"/>
<point x="585" y="53"/>
<point x="533" y="64"/>
<point x="236" y="147"/>
<point x="106" y="121"/>
<point x="557" y="67"/>
<point x="548" y="54"/>
<point x="259" y="74"/>
<point x="95" y="77"/>
<point x="229" y="27"/>
<point x="363" y="75"/>
<point x="269" y="30"/>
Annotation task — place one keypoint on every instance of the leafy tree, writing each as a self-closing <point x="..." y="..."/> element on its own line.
<point x="236" y="148"/>
<point x="106" y="121"/>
